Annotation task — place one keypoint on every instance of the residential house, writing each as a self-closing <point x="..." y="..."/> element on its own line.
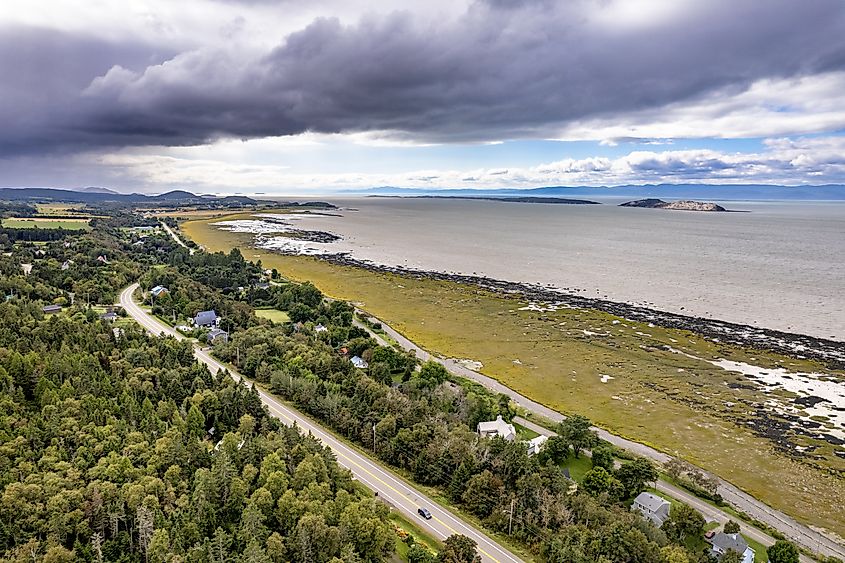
<point x="652" y="507"/>
<point x="217" y="335"/>
<point x="261" y="285"/>
<point x="102" y="258"/>
<point x="27" y="269"/>
<point x="66" y="265"/>
<point x="109" y="316"/>
<point x="320" y="328"/>
<point x="536" y="444"/>
<point x="159" y="290"/>
<point x="51" y="309"/>
<point x="206" y="318"/>
<point x="497" y="427"/>
<point x="722" y="543"/>
<point x="359" y="362"/>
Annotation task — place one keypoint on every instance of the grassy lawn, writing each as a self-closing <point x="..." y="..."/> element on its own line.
<point x="273" y="315"/>
<point x="578" y="466"/>
<point x="33" y="223"/>
<point x="680" y="405"/>
<point x="523" y="433"/>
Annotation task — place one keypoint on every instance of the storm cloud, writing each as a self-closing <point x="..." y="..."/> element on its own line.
<point x="499" y="70"/>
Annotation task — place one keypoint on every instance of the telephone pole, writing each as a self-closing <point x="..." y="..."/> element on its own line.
<point x="510" y="514"/>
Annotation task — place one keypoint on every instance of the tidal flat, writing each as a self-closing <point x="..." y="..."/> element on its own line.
<point x="655" y="385"/>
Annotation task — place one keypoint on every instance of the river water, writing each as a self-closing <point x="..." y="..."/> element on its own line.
<point x="780" y="266"/>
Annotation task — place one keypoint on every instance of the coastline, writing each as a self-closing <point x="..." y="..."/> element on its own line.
<point x="799" y="346"/>
<point x="651" y="400"/>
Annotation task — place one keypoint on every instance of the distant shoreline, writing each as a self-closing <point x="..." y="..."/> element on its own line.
<point x="504" y="199"/>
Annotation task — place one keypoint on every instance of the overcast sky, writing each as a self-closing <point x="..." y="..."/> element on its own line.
<point x="246" y="96"/>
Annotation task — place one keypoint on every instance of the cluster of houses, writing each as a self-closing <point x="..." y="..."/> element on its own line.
<point x="656" y="509"/>
<point x="652" y="507"/>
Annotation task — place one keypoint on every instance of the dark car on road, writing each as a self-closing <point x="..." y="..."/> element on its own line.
<point x="424" y="513"/>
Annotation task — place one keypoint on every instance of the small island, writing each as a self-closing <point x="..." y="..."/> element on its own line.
<point x="685" y="205"/>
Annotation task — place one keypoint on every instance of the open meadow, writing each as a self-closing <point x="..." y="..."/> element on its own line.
<point x="658" y="386"/>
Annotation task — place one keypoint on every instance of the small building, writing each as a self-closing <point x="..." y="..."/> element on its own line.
<point x="536" y="444"/>
<point x="207" y="318"/>
<point x="159" y="290"/>
<point x="320" y="328"/>
<point x="652" y="507"/>
<point x="261" y="285"/>
<point x="102" y="258"/>
<point x="51" y="309"/>
<point x="40" y="252"/>
<point x="66" y="265"/>
<point x="109" y="316"/>
<point x="359" y="362"/>
<point x="217" y="335"/>
<point x="495" y="428"/>
<point x="722" y="543"/>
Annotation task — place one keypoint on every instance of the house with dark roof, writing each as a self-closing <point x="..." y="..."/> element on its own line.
<point x="652" y="507"/>
<point x="216" y="335"/>
<point x="109" y="316"/>
<point x="206" y="318"/>
<point x="51" y="309"/>
<point x="722" y="543"/>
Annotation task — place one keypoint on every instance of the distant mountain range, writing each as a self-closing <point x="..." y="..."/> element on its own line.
<point x="722" y="192"/>
<point x="105" y="195"/>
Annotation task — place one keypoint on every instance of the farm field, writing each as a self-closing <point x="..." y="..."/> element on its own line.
<point x="612" y="370"/>
<point x="45" y="223"/>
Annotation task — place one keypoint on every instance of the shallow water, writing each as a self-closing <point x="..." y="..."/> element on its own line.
<point x="781" y="266"/>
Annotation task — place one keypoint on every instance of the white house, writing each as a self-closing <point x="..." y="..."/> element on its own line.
<point x="320" y="328"/>
<point x="536" y="444"/>
<point x="723" y="542"/>
<point x="497" y="427"/>
<point x="359" y="362"/>
<point x="652" y="507"/>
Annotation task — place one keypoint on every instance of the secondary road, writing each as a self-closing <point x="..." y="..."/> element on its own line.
<point x="799" y="533"/>
<point x="391" y="488"/>
<point x="178" y="240"/>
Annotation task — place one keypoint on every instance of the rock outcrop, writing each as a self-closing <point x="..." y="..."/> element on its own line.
<point x="685" y="205"/>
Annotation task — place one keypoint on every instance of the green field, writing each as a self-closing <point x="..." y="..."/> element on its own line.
<point x="38" y="223"/>
<point x="681" y="405"/>
<point x="273" y="315"/>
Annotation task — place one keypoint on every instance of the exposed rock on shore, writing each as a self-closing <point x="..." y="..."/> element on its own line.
<point x="685" y="205"/>
<point x="829" y="352"/>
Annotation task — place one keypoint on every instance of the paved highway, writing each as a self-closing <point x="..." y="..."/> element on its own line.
<point x="391" y="488"/>
<point x="795" y="531"/>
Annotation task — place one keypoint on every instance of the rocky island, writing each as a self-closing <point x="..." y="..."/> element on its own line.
<point x="684" y="205"/>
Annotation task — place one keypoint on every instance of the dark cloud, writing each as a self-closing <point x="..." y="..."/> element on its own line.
<point x="503" y="70"/>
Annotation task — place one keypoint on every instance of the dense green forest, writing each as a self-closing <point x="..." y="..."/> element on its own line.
<point x="116" y="446"/>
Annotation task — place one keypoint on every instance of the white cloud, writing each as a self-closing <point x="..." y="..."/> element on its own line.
<point x="797" y="106"/>
<point x="788" y="161"/>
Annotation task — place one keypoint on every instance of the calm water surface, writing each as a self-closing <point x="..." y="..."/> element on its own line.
<point x="781" y="266"/>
